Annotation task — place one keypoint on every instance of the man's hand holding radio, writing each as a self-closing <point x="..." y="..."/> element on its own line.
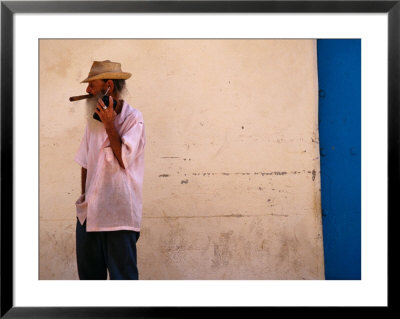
<point x="106" y="114"/>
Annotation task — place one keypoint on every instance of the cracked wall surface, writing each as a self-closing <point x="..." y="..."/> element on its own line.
<point x="232" y="171"/>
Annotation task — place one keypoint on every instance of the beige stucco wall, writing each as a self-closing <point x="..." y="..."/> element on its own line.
<point x="232" y="175"/>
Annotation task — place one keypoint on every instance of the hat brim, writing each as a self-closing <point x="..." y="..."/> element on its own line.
<point x="108" y="76"/>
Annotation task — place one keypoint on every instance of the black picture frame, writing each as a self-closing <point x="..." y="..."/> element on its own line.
<point x="9" y="8"/>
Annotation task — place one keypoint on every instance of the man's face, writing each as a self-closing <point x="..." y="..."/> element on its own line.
<point x="96" y="87"/>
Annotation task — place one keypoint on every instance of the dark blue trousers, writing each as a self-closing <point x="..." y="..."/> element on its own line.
<point x="97" y="252"/>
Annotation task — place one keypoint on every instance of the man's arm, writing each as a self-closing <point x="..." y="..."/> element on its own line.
<point x="107" y="116"/>
<point x="116" y="143"/>
<point x="83" y="179"/>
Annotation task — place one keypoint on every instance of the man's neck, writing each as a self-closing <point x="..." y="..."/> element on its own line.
<point x="118" y="108"/>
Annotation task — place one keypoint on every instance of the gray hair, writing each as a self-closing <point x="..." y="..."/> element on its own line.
<point x="119" y="85"/>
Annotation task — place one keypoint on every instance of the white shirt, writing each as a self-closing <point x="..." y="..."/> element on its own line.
<point x="113" y="195"/>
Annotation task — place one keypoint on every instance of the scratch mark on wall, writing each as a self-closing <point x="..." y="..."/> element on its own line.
<point x="313" y="172"/>
<point x="221" y="147"/>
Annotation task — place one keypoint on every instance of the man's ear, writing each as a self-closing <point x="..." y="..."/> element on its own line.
<point x="110" y="84"/>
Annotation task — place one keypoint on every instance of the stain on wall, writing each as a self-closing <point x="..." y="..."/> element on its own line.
<point x="232" y="175"/>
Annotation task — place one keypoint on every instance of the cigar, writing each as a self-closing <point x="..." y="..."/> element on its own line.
<point x="80" y="97"/>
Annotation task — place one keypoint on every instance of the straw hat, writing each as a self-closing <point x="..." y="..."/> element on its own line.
<point x="106" y="70"/>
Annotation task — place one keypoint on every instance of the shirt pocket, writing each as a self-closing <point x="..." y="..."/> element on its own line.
<point x="108" y="153"/>
<point x="111" y="164"/>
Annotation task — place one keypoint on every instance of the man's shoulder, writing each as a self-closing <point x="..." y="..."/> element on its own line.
<point x="132" y="113"/>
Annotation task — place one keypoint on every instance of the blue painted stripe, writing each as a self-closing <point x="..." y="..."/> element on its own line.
<point x="339" y="77"/>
